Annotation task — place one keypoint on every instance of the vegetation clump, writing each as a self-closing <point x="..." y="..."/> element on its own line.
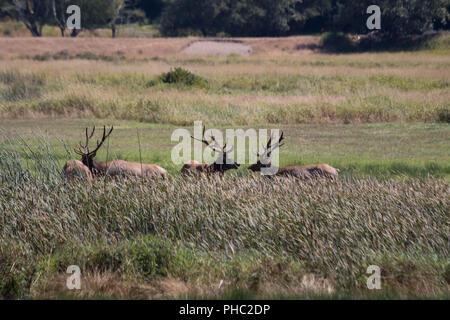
<point x="66" y="55"/>
<point x="337" y="42"/>
<point x="180" y="76"/>
<point x="21" y="86"/>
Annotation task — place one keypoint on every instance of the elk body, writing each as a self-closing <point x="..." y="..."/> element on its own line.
<point x="75" y="169"/>
<point x="121" y="167"/>
<point x="309" y="171"/>
<point x="115" y="167"/>
<point x="193" y="167"/>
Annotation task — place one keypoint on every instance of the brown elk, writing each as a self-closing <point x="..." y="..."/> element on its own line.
<point x="114" y="167"/>
<point x="222" y="163"/>
<point x="301" y="171"/>
<point x="75" y="169"/>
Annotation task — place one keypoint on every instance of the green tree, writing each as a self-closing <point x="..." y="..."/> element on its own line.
<point x="34" y="14"/>
<point x="261" y="17"/>
<point x="152" y="8"/>
<point x="186" y="16"/>
<point x="312" y="16"/>
<point x="98" y="13"/>
<point x="4" y="8"/>
<point x="235" y="17"/>
<point x="59" y="8"/>
<point x="445" y="22"/>
<point x="117" y="6"/>
<point x="399" y="18"/>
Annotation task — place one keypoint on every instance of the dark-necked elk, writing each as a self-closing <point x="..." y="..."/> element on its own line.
<point x="300" y="171"/>
<point x="75" y="169"/>
<point x="114" y="167"/>
<point x="222" y="163"/>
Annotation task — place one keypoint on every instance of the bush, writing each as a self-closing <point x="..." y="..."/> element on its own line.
<point x="399" y="18"/>
<point x="337" y="42"/>
<point x="444" y="115"/>
<point x="183" y="77"/>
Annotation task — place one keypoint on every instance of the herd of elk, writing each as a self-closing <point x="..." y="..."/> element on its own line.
<point x="309" y="171"/>
<point x="89" y="168"/>
<point x="222" y="163"/>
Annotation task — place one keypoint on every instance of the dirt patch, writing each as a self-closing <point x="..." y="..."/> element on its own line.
<point x="156" y="47"/>
<point x="217" y="48"/>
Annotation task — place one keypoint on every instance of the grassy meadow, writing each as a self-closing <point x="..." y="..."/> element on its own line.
<point x="382" y="118"/>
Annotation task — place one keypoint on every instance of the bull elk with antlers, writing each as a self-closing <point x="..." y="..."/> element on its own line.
<point x="222" y="163"/>
<point x="114" y="167"/>
<point x="301" y="171"/>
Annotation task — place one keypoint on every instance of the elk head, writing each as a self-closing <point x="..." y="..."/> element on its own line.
<point x="223" y="162"/>
<point x="87" y="156"/>
<point x="266" y="155"/>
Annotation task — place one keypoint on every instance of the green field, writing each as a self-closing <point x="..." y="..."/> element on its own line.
<point x="382" y="118"/>
<point x="389" y="150"/>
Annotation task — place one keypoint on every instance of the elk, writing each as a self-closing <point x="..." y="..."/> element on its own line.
<point x="75" y="169"/>
<point x="114" y="167"/>
<point x="309" y="171"/>
<point x="193" y="167"/>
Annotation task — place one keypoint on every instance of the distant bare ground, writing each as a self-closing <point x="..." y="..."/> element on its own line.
<point x="152" y="47"/>
<point x="217" y="48"/>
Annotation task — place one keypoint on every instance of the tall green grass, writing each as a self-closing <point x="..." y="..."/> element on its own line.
<point x="246" y="225"/>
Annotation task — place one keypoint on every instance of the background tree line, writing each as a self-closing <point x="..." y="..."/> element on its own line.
<point x="235" y="17"/>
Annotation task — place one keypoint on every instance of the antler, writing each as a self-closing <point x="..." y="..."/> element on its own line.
<point x="105" y="136"/>
<point x="277" y="145"/>
<point x="85" y="148"/>
<point x="269" y="148"/>
<point x="216" y="147"/>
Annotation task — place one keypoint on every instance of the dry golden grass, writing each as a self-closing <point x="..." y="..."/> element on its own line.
<point x="112" y="285"/>
<point x="132" y="47"/>
<point x="109" y="284"/>
<point x="272" y="58"/>
<point x="135" y="47"/>
<point x="340" y="73"/>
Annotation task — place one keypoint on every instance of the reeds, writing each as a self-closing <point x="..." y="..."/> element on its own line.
<point x="335" y="229"/>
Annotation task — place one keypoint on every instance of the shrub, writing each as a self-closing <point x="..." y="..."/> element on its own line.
<point x="182" y="77"/>
<point x="337" y="42"/>
<point x="444" y="115"/>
